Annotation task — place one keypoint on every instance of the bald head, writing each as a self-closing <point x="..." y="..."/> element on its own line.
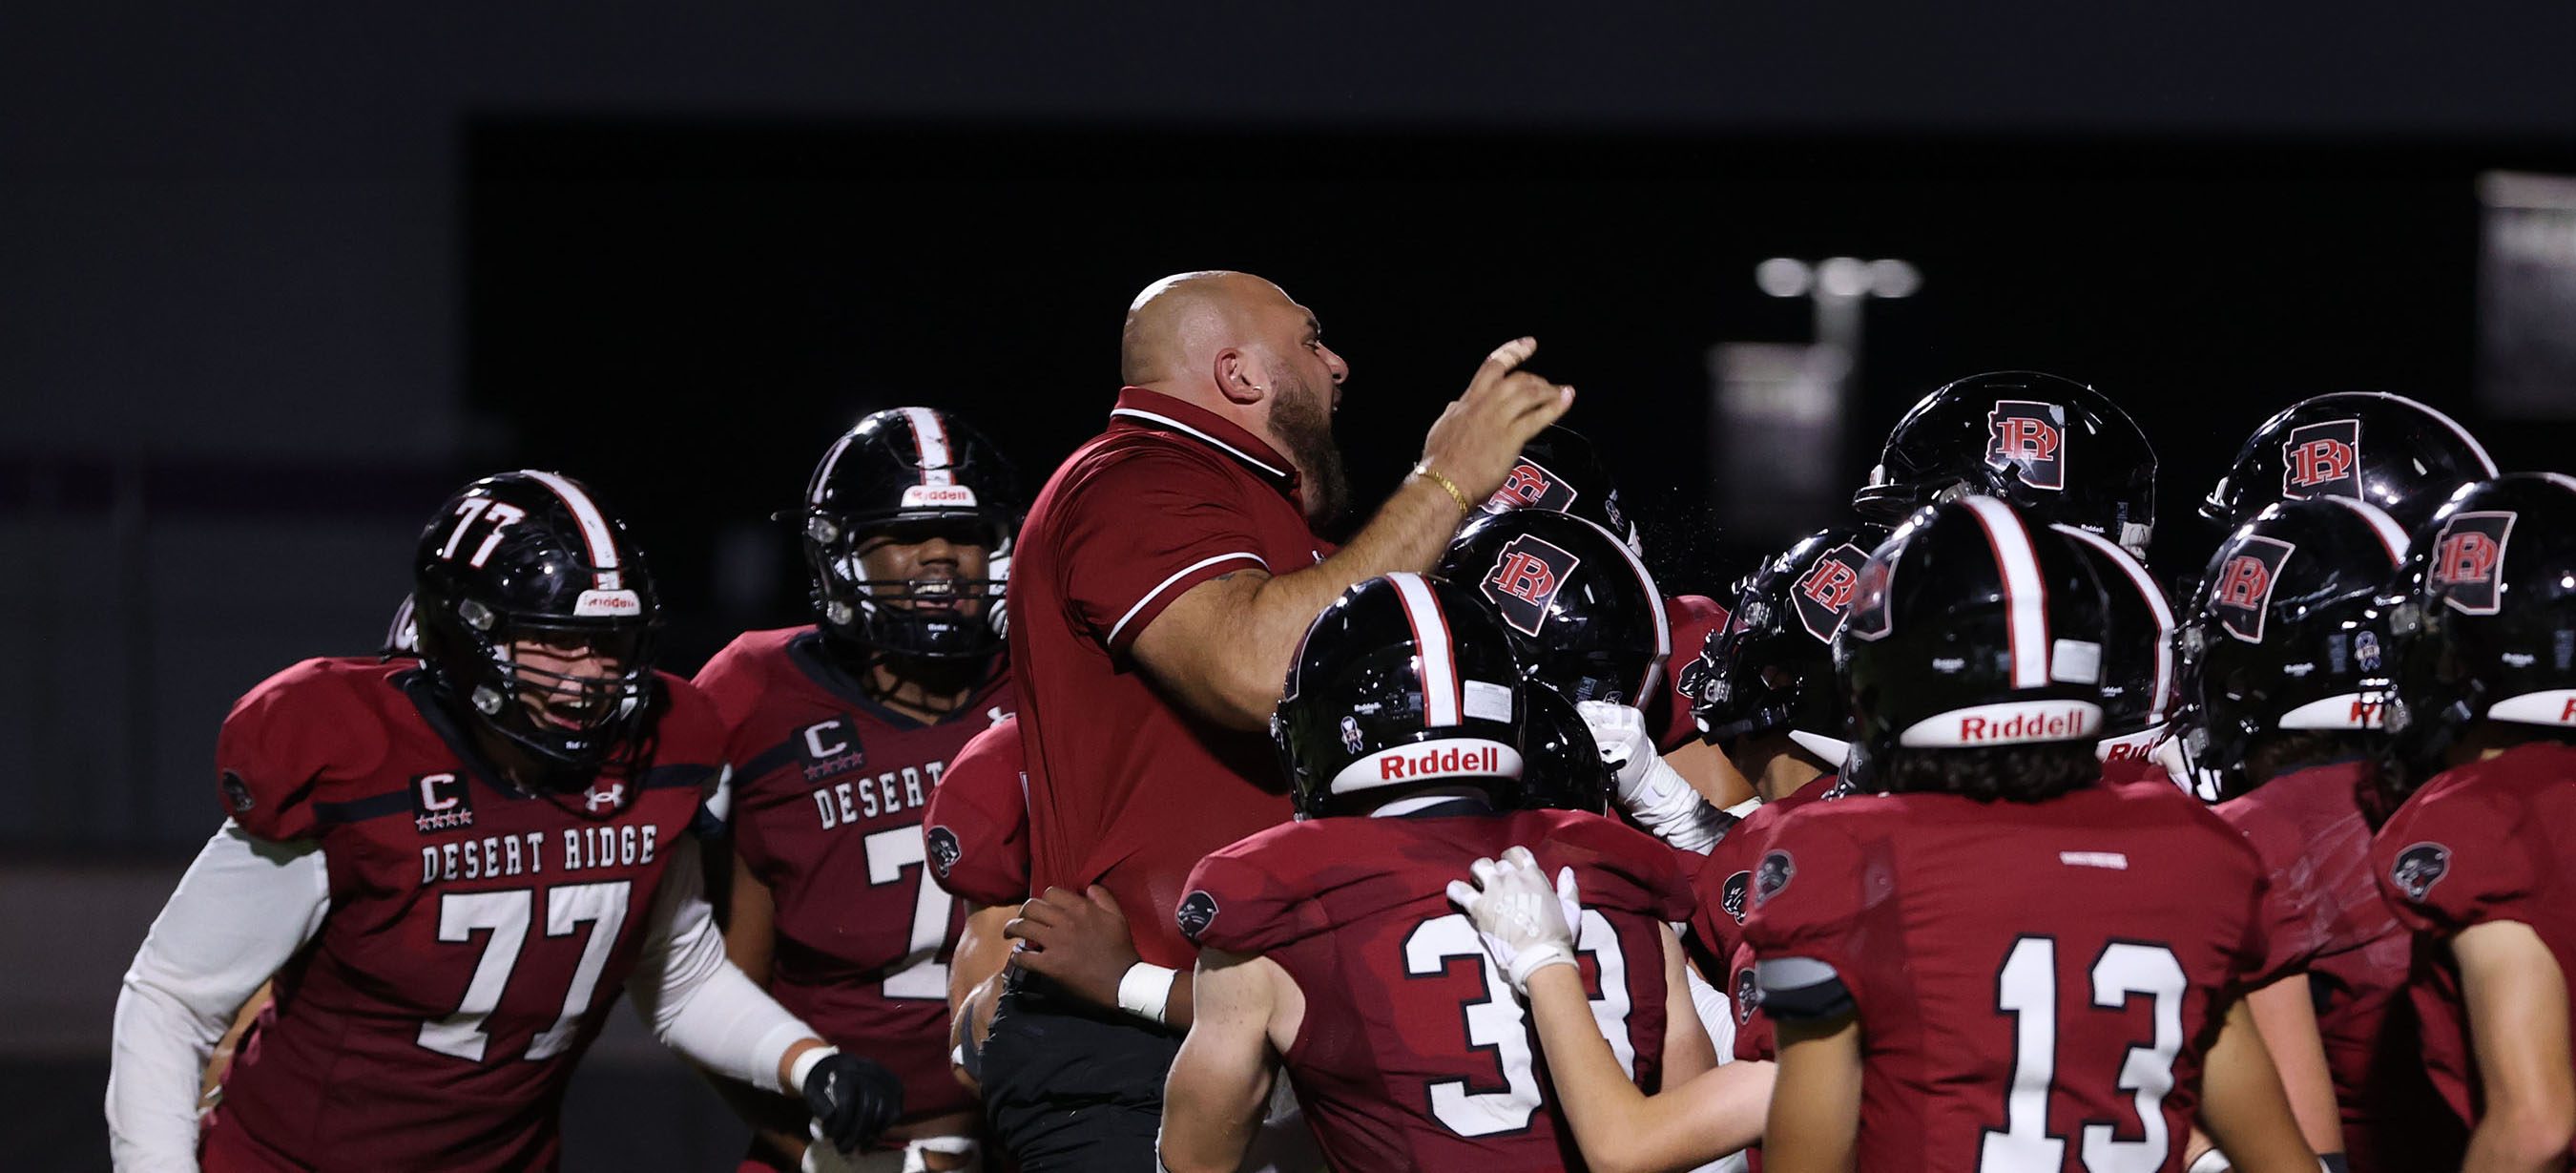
<point x="1176" y="327"/>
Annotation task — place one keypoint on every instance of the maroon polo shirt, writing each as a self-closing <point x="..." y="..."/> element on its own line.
<point x="1127" y="789"/>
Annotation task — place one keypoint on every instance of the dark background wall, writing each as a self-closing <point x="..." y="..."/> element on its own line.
<point x="272" y="281"/>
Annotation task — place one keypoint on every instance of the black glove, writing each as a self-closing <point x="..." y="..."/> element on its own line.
<point x="853" y="1098"/>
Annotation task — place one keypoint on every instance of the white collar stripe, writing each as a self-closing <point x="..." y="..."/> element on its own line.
<point x="2025" y="596"/>
<point x="2155" y="597"/>
<point x="1440" y="690"/>
<point x="594" y="525"/>
<point x="931" y="440"/>
<point x="1176" y="425"/>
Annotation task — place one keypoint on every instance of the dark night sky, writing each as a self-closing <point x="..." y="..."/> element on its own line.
<point x="687" y="314"/>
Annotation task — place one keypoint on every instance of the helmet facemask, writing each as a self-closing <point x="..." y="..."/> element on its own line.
<point x="947" y="607"/>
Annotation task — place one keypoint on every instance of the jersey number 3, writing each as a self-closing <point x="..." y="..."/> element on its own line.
<point x="2026" y="989"/>
<point x="1496" y="1023"/>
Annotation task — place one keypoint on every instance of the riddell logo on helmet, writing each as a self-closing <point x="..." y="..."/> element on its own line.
<point x="2026" y="437"/>
<point x="1530" y="486"/>
<point x="2468" y="556"/>
<point x="2005" y="723"/>
<point x="1525" y="580"/>
<point x="2321" y="460"/>
<point x="2025" y="727"/>
<point x="1825" y="592"/>
<point x="938" y="496"/>
<point x="1440" y="763"/>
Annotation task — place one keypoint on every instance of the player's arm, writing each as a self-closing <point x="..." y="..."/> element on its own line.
<point x="1649" y="789"/>
<point x="243" y="909"/>
<point x="2286" y="1017"/>
<point x="1620" y="1128"/>
<point x="975" y="985"/>
<point x="1220" y="1082"/>
<point x="2242" y="1104"/>
<point x="2517" y="1004"/>
<point x="1814" y="1122"/>
<point x="1528" y="928"/>
<point x="702" y="1007"/>
<point x="1222" y="647"/>
<point x="1688" y="1049"/>
<point x="1706" y="768"/>
<point x="1082" y="941"/>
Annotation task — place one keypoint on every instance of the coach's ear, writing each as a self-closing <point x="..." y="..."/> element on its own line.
<point x="1239" y="376"/>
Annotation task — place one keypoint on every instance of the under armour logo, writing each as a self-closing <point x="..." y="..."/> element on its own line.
<point x="612" y="798"/>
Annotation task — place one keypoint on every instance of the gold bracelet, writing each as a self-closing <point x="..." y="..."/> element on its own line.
<point x="1447" y="486"/>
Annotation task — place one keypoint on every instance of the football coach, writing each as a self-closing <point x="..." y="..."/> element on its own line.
<point x="1161" y="583"/>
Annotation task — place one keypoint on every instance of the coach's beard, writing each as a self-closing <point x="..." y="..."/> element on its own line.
<point x="1299" y="415"/>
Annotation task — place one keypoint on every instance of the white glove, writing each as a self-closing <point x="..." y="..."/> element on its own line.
<point x="1525" y="925"/>
<point x="1649" y="788"/>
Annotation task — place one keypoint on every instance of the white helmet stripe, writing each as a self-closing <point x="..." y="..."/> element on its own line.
<point x="823" y="475"/>
<point x="932" y="441"/>
<point x="2391" y="534"/>
<point x="1440" y="690"/>
<point x="2025" y="595"/>
<point x="1655" y="596"/>
<point x="2463" y="433"/>
<point x="2155" y="597"/>
<point x="594" y="525"/>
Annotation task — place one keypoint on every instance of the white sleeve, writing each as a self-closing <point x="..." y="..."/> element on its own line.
<point x="244" y="908"/>
<point x="1716" y="1014"/>
<point x="697" y="1003"/>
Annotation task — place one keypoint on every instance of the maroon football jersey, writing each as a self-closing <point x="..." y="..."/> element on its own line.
<point x="1415" y="1053"/>
<point x="829" y="790"/>
<point x="2034" y="981"/>
<point x="978" y="824"/>
<point x="1722" y="887"/>
<point x="1724" y="891"/>
<point x="2325" y="918"/>
<point x="1692" y="619"/>
<point x="2487" y="841"/>
<point x="476" y="937"/>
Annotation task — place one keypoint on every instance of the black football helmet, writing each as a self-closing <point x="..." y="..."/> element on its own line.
<point x="916" y="471"/>
<point x="2057" y="449"/>
<point x="1771" y="668"/>
<point x="2138" y="673"/>
<point x="2388" y="450"/>
<point x="1404" y="680"/>
<point x="2483" y="626"/>
<point x="1970" y="627"/>
<point x="1561" y="766"/>
<point x="1584" y="616"/>
<point x="1559" y="470"/>
<point x="2285" y="631"/>
<point x="531" y="558"/>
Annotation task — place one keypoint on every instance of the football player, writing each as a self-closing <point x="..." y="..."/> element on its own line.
<point x="2385" y="450"/>
<point x="1993" y="960"/>
<point x="1327" y="945"/>
<point x="976" y="831"/>
<point x="450" y="864"/>
<point x="1587" y="623"/>
<point x="838" y="732"/>
<point x="2055" y="448"/>
<point x="1767" y="696"/>
<point x="1559" y="471"/>
<point x="2475" y="861"/>
<point x="2063" y="454"/>
<point x="2284" y="661"/>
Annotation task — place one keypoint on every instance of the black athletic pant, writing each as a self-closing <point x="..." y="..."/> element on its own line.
<point x="1069" y="1086"/>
